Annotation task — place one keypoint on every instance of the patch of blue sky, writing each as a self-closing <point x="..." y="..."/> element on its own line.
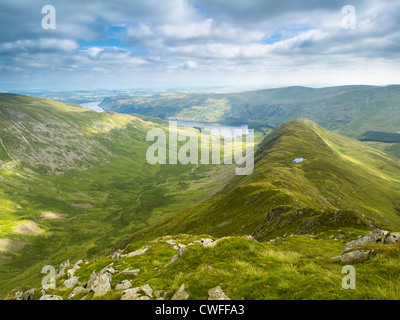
<point x="286" y="33"/>
<point x="112" y="39"/>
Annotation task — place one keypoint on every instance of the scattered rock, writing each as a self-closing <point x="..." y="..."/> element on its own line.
<point x="108" y="269"/>
<point x="138" y="252"/>
<point x="63" y="267"/>
<point x="131" y="294"/>
<point x="207" y="243"/>
<point x="50" y="297"/>
<point x="159" y="294"/>
<point x="128" y="272"/>
<point x="71" y="273"/>
<point x="147" y="290"/>
<point x="126" y="284"/>
<point x="28" y="295"/>
<point x="118" y="255"/>
<point x="354" y="256"/>
<point x="182" y="250"/>
<point x="181" y="294"/>
<point x="102" y="285"/>
<point x="71" y="282"/>
<point x="91" y="281"/>
<point x="77" y="291"/>
<point x="217" y="294"/>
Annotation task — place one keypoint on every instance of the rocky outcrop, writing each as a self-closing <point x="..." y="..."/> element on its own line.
<point x="27" y="295"/>
<point x="349" y="255"/>
<point x="375" y="237"/>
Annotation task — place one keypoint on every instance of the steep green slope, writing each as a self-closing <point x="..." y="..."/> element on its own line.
<point x="351" y="110"/>
<point x="73" y="181"/>
<point x="342" y="183"/>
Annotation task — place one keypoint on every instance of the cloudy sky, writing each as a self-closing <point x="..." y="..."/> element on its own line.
<point x="194" y="43"/>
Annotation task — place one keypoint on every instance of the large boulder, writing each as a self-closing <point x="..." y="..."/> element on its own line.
<point x="376" y="236"/>
<point x="101" y="285"/>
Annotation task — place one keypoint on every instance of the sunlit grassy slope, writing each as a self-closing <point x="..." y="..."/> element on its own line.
<point x="295" y="267"/>
<point x="343" y="182"/>
<point x="80" y="179"/>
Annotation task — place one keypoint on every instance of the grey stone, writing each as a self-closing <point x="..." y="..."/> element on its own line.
<point x="138" y="252"/>
<point x="159" y="293"/>
<point x="182" y="250"/>
<point x="71" y="282"/>
<point x="354" y="256"/>
<point x="128" y="272"/>
<point x="147" y="290"/>
<point x="376" y="236"/>
<point x="91" y="281"/>
<point x="108" y="269"/>
<point x="102" y="285"/>
<point x="50" y="297"/>
<point x="71" y="273"/>
<point x="181" y="294"/>
<point x="77" y="291"/>
<point x="217" y="294"/>
<point x="126" y="284"/>
<point x="392" y="238"/>
<point x="63" y="266"/>
<point x="131" y="294"/>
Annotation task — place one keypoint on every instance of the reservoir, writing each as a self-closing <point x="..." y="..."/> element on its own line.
<point x="93" y="105"/>
<point x="226" y="130"/>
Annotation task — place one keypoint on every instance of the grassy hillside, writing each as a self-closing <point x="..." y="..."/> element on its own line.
<point x="351" y="110"/>
<point x="342" y="183"/>
<point x="294" y="267"/>
<point x="75" y="184"/>
<point x="73" y="181"/>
